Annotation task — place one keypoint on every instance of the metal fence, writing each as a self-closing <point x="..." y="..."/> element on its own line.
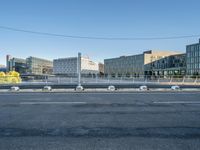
<point x="109" y="79"/>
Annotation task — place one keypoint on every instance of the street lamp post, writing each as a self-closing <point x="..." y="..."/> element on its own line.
<point x="79" y="87"/>
<point x="79" y="69"/>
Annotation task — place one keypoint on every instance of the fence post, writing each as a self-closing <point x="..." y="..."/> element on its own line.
<point x="46" y="79"/>
<point x="145" y="79"/>
<point x="133" y="80"/>
<point x="195" y="82"/>
<point x="171" y="80"/>
<point x="58" y="79"/>
<point x="158" y="79"/>
<point x="183" y="80"/>
<point x="96" y="78"/>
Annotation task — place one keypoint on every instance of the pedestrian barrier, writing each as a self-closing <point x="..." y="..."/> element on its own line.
<point x="92" y="82"/>
<point x="179" y="80"/>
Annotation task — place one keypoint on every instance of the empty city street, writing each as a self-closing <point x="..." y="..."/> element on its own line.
<point x="100" y="121"/>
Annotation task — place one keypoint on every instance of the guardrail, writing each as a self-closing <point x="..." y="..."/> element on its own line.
<point x="140" y="79"/>
<point x="95" y="86"/>
<point x="95" y="79"/>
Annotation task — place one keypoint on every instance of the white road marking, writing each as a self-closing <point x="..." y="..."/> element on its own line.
<point x="178" y="102"/>
<point x="103" y="93"/>
<point x="46" y="103"/>
<point x="137" y="93"/>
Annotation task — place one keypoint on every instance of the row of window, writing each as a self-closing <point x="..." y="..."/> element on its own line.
<point x="193" y="72"/>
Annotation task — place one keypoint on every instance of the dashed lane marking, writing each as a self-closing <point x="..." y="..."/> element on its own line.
<point x="47" y="103"/>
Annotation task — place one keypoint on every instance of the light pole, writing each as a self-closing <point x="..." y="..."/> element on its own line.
<point x="79" y="87"/>
<point x="79" y="69"/>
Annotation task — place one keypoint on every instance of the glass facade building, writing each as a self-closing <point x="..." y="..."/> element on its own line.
<point x="133" y="65"/>
<point x="170" y="65"/>
<point x="124" y="66"/>
<point x="16" y="64"/>
<point x="193" y="59"/>
<point x="38" y="66"/>
<point x="29" y="66"/>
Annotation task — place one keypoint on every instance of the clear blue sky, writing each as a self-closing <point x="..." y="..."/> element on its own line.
<point x="99" y="18"/>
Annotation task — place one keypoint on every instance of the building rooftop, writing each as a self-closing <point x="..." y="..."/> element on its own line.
<point x="164" y="52"/>
<point x="194" y="43"/>
<point x="83" y="57"/>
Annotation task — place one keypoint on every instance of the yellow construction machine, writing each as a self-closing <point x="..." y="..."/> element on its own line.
<point x="11" y="77"/>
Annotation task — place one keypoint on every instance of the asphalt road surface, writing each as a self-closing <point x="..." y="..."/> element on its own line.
<point x="100" y="121"/>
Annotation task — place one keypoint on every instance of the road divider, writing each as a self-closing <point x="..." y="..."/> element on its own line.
<point x="103" y="86"/>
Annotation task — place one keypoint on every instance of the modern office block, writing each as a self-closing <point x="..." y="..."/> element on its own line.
<point x="39" y="66"/>
<point x="133" y="65"/>
<point x="16" y="64"/>
<point x="101" y="68"/>
<point x="170" y="65"/>
<point x="193" y="59"/>
<point x="29" y="66"/>
<point x="68" y="66"/>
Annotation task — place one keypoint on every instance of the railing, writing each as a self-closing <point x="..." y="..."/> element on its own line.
<point x="184" y="80"/>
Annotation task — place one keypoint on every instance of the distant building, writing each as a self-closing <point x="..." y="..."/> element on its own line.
<point x="133" y="65"/>
<point x="39" y="66"/>
<point x="170" y="65"/>
<point x="16" y="64"/>
<point x="65" y="66"/>
<point x="29" y="66"/>
<point x="101" y="68"/>
<point x="68" y="66"/>
<point x="193" y="59"/>
<point x="124" y="65"/>
<point x="2" y="68"/>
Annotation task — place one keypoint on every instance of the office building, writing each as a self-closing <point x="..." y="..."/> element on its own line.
<point x="29" y="66"/>
<point x="3" y="68"/>
<point x="193" y="59"/>
<point x="39" y="66"/>
<point x="16" y="64"/>
<point x="68" y="66"/>
<point x="133" y="65"/>
<point x="101" y="68"/>
<point x="170" y="65"/>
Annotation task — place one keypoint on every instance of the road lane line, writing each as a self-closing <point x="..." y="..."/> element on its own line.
<point x="177" y="102"/>
<point x="46" y="103"/>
